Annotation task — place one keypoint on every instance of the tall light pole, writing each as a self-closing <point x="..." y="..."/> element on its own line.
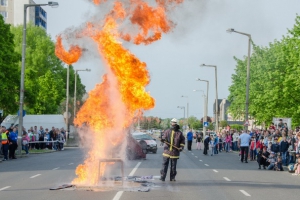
<point x="206" y="109"/>
<point x="231" y="30"/>
<point x="22" y="87"/>
<point x="187" y="108"/>
<point x="204" y="98"/>
<point x="217" y="106"/>
<point x="75" y="87"/>
<point x="182" y="107"/>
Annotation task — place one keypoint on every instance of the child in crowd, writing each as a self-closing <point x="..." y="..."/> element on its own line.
<point x="278" y="164"/>
<point x="211" y="145"/>
<point x="271" y="161"/>
<point x="297" y="167"/>
<point x="252" y="149"/>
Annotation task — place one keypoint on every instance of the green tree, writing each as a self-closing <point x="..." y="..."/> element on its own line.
<point x="10" y="74"/>
<point x="223" y="123"/>
<point x="41" y="61"/>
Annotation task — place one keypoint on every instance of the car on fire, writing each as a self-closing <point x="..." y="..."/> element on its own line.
<point x="146" y="141"/>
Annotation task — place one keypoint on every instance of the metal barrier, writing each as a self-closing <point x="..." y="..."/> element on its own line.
<point x="112" y="160"/>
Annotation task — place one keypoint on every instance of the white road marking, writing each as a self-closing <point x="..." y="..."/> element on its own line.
<point x="55" y="168"/>
<point x="215" y="170"/>
<point x="196" y="156"/>
<point x="71" y="163"/>
<point x="245" y="193"/>
<point x="118" y="195"/>
<point x="206" y="165"/>
<point x="4" y="188"/>
<point x="156" y="177"/>
<point x="227" y="179"/>
<point x="200" y="160"/>
<point x="35" y="176"/>
<point x="134" y="169"/>
<point x="192" y="154"/>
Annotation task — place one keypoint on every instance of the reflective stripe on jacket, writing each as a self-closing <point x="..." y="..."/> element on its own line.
<point x="4" y="139"/>
<point x="175" y="138"/>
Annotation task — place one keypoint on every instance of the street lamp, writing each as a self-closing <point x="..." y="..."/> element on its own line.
<point x="182" y="107"/>
<point x="248" y="71"/>
<point x="206" y="110"/>
<point x="204" y="98"/>
<point x="20" y="126"/>
<point x="88" y="70"/>
<point x="217" y="106"/>
<point x="187" y="108"/>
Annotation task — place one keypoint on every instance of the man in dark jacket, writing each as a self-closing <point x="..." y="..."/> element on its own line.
<point x="275" y="147"/>
<point x="174" y="143"/>
<point x="284" y="146"/>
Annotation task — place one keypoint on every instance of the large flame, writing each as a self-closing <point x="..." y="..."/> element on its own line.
<point x="113" y="104"/>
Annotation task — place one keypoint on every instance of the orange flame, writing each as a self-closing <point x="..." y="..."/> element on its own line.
<point x="113" y="104"/>
<point x="68" y="57"/>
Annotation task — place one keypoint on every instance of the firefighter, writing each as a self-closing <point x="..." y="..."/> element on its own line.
<point x="174" y="143"/>
<point x="4" y="142"/>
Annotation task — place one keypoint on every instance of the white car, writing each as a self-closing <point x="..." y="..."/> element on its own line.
<point x="146" y="141"/>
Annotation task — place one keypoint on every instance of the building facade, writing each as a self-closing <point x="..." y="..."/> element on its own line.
<point x="13" y="13"/>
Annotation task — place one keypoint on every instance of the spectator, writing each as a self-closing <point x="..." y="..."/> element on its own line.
<point x="278" y="165"/>
<point x="25" y="142"/>
<point x="206" y="143"/>
<point x="41" y="139"/>
<point x="271" y="160"/>
<point x="216" y="144"/>
<point x="296" y="167"/>
<point x="227" y="142"/>
<point x="244" y="141"/>
<point x="252" y="149"/>
<point x="275" y="146"/>
<point x="235" y="138"/>
<point x="189" y="137"/>
<point x="284" y="145"/>
<point x="211" y="145"/>
<point x="262" y="157"/>
<point x="5" y="142"/>
<point x="47" y="138"/>
<point x="13" y="139"/>
<point x="199" y="140"/>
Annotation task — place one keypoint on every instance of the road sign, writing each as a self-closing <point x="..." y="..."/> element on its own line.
<point x="246" y="123"/>
<point x="205" y="124"/>
<point x="24" y="113"/>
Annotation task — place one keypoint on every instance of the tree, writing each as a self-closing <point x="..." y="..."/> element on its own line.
<point x="223" y="123"/>
<point x="42" y="65"/>
<point x="10" y="74"/>
<point x="274" y="82"/>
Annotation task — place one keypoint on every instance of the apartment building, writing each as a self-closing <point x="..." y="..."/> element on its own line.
<point x="13" y="13"/>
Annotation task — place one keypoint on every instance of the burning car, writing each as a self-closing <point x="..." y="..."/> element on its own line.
<point x="146" y="141"/>
<point x="135" y="150"/>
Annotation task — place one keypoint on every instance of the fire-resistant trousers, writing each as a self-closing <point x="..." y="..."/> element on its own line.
<point x="165" y="165"/>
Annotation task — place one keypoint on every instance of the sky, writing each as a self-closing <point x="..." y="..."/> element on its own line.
<point x="199" y="37"/>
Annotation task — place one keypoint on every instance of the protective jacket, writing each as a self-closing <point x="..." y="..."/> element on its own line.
<point x="4" y="138"/>
<point x="175" y="138"/>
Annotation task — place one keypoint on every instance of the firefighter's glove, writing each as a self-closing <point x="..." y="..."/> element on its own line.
<point x="180" y="149"/>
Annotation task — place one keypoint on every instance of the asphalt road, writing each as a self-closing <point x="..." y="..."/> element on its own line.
<point x="199" y="177"/>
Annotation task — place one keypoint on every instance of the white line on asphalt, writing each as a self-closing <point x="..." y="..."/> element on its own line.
<point x="227" y="179"/>
<point x="4" y="188"/>
<point x="206" y="165"/>
<point x="35" y="176"/>
<point x="200" y="160"/>
<point x="215" y="170"/>
<point x="71" y="163"/>
<point x="245" y="193"/>
<point x="134" y="169"/>
<point x="192" y="154"/>
<point x="55" y="168"/>
<point x="156" y="177"/>
<point x="118" y="195"/>
<point x="196" y="156"/>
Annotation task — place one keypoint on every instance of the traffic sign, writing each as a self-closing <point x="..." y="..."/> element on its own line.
<point x="24" y="113"/>
<point x="205" y="124"/>
<point x="246" y="123"/>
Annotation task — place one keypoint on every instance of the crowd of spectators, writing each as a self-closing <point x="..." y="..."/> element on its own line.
<point x="272" y="148"/>
<point x="31" y="139"/>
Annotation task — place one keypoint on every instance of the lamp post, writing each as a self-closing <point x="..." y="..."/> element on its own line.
<point x="182" y="107"/>
<point x="206" y="103"/>
<point x="217" y="106"/>
<point x="75" y="87"/>
<point x="231" y="30"/>
<point x="187" y="108"/>
<point x="22" y="88"/>
<point x="204" y="98"/>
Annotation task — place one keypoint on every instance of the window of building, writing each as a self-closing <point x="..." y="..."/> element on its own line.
<point x="3" y="2"/>
<point x="4" y="14"/>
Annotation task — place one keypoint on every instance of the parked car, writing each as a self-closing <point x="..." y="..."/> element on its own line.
<point x="146" y="141"/>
